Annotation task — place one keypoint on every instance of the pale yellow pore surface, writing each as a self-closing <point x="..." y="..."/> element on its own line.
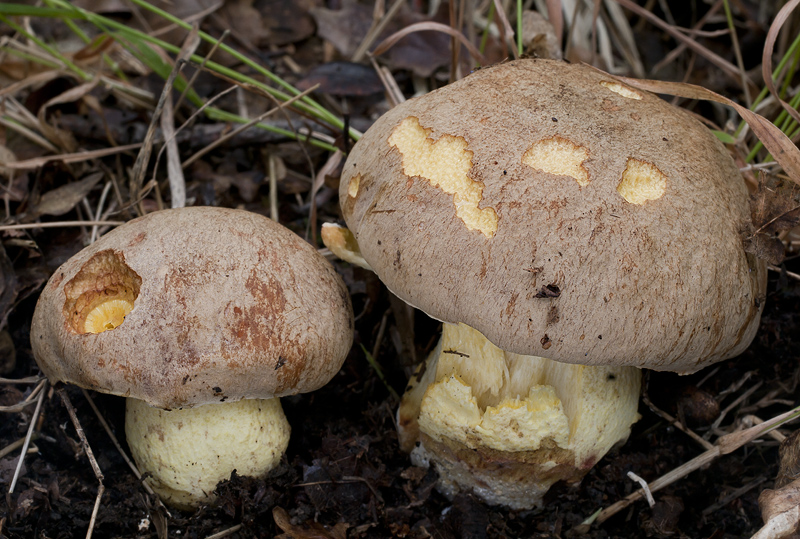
<point x="445" y="163"/>
<point x="558" y="156"/>
<point x="187" y="452"/>
<point x="641" y="181"/>
<point x="107" y="315"/>
<point x="622" y="90"/>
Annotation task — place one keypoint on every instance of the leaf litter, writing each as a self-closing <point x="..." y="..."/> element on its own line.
<point x="343" y="475"/>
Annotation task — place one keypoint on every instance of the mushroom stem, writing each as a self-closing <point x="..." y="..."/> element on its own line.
<point x="508" y="426"/>
<point x="185" y="453"/>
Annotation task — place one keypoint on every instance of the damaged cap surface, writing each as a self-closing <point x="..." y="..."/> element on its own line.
<point x="561" y="214"/>
<point x="218" y="304"/>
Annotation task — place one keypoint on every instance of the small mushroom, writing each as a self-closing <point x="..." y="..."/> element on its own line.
<point x="546" y="210"/>
<point x="202" y="317"/>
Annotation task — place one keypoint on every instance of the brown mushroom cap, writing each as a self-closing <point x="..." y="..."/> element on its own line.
<point x="561" y="214"/>
<point x="228" y="305"/>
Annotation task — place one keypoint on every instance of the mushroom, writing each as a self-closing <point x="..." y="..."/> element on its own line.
<point x="546" y="210"/>
<point x="202" y="317"/>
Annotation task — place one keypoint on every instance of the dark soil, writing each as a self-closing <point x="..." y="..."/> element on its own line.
<point x="343" y="474"/>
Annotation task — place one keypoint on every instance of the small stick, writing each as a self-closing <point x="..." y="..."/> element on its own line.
<point x="724" y="445"/>
<point x="27" y="439"/>
<point x="13" y="446"/>
<point x="116" y="443"/>
<point x="88" y="450"/>
<point x="677" y="424"/>
<point x="28" y="380"/>
<point x="225" y="533"/>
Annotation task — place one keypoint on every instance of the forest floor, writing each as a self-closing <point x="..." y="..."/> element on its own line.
<point x="343" y="474"/>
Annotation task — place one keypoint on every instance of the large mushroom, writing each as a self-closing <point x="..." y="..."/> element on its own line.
<point x="202" y="317"/>
<point x="546" y="210"/>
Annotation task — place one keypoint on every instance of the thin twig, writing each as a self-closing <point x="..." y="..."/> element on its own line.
<point x="249" y="124"/>
<point x="13" y="446"/>
<point x="28" y="380"/>
<point x="59" y="224"/>
<point x="88" y="450"/>
<point x="225" y="533"/>
<point x="677" y="424"/>
<point x="724" y="445"/>
<point x="116" y="443"/>
<point x="28" y="437"/>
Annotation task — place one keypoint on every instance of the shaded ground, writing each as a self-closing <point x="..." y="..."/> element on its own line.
<point x="343" y="475"/>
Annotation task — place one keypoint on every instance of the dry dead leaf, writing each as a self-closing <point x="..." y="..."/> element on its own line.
<point x="774" y="207"/>
<point x="285" y="21"/>
<point x="342" y="78"/>
<point x="345" y="29"/>
<point x="411" y="29"/>
<point x="62" y="199"/>
<point x="61" y="137"/>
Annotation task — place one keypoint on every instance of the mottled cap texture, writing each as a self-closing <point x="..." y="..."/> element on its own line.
<point x="562" y="214"/>
<point x="227" y="305"/>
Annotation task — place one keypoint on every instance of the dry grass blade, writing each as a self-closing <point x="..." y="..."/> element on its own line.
<point x="713" y="57"/>
<point x="669" y="58"/>
<point x="89" y="454"/>
<point x="556" y="17"/>
<point x="725" y="444"/>
<point x="68" y="158"/>
<point x="28" y="380"/>
<point x="507" y="34"/>
<point x="59" y="224"/>
<point x="143" y="159"/>
<point x="177" y="182"/>
<point x="41" y="388"/>
<point x="393" y="92"/>
<point x="766" y="57"/>
<point x="778" y="144"/>
<point x="375" y="30"/>
<point x="221" y="140"/>
<point x="390" y="41"/>
<point x="30" y="81"/>
<point x="13" y="446"/>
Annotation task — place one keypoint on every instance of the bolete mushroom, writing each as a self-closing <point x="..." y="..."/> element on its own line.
<point x="202" y="317"/>
<point x="546" y="210"/>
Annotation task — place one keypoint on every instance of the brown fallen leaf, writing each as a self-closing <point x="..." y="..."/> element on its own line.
<point x="347" y="27"/>
<point x="343" y="78"/>
<point x="774" y="208"/>
<point x="62" y="199"/>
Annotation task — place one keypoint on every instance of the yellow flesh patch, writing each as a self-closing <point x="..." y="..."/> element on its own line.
<point x="352" y="186"/>
<point x="641" y="181"/>
<point x="624" y="91"/>
<point x="445" y="163"/>
<point x="107" y="315"/>
<point x="558" y="156"/>
<point x="341" y="242"/>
